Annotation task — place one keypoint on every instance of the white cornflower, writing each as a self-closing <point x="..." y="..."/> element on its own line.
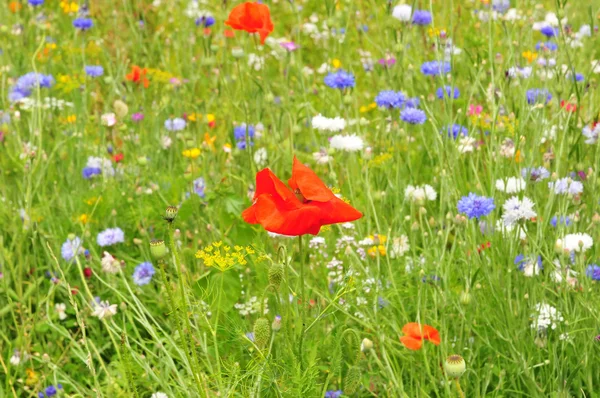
<point x="399" y="246"/>
<point x="545" y="316"/>
<point x="104" y="309"/>
<point x="60" y="309"/>
<point x="420" y="194"/>
<point x="564" y="274"/>
<point x="260" y="157"/>
<point x="110" y="264"/>
<point x="103" y="164"/>
<point x="591" y="133"/>
<point x="15" y="359"/>
<point x="516" y="209"/>
<point x="347" y="143"/>
<point x="578" y="242"/>
<point x="566" y="186"/>
<point x="466" y="144"/>
<point x="108" y="119"/>
<point x="323" y="123"/>
<point x="322" y="157"/>
<point x="511" y="184"/>
<point x="402" y="12"/>
<point x="252" y="306"/>
<point x="256" y="62"/>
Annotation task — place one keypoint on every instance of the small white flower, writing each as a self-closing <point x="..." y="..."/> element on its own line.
<point x="399" y="246"/>
<point x="166" y="142"/>
<point x="260" y="157"/>
<point x="323" y="123"/>
<point x="104" y="310"/>
<point x="256" y="62"/>
<point x="110" y="264"/>
<point x="108" y="119"/>
<point x="564" y="274"/>
<point x="516" y="209"/>
<point x="159" y="395"/>
<point x="578" y="242"/>
<point x="546" y="316"/>
<point x="402" y="12"/>
<point x="591" y="133"/>
<point x="507" y="230"/>
<point x="511" y="185"/>
<point x="566" y="186"/>
<point x="420" y="193"/>
<point x="466" y="144"/>
<point x="348" y="143"/>
<point x="60" y="308"/>
<point x="15" y="359"/>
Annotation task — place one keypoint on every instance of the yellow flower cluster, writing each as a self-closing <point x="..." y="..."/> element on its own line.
<point x="380" y="160"/>
<point x="379" y="245"/>
<point x="223" y="257"/>
<point x="368" y="108"/>
<point x="503" y="123"/>
<point x="69" y="7"/>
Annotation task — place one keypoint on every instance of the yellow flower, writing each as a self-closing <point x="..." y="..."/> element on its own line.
<point x="368" y="108"/>
<point x="220" y="256"/>
<point x="530" y="56"/>
<point x="191" y="153"/>
<point x="209" y="141"/>
<point x="92" y="201"/>
<point x="336" y="63"/>
<point x="210" y="118"/>
<point x="192" y="117"/>
<point x="84" y="218"/>
<point x="69" y="8"/>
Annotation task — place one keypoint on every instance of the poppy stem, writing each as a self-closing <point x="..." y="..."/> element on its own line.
<point x="302" y="304"/>
<point x="461" y="394"/>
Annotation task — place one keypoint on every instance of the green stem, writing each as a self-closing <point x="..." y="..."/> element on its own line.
<point x="302" y="303"/>
<point x="214" y="332"/>
<point x="460" y="391"/>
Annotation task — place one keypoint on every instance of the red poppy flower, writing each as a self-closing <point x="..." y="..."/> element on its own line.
<point x="568" y="106"/>
<point x="138" y="75"/>
<point x="414" y="334"/>
<point x="304" y="209"/>
<point x="118" y="157"/>
<point x="253" y="18"/>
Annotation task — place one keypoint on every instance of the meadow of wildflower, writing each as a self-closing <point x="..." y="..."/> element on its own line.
<point x="299" y="198"/>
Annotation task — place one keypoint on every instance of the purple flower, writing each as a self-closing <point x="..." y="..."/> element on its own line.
<point x="110" y="236"/>
<point x="449" y="91"/>
<point x="89" y="172"/>
<point x="199" y="187"/>
<point x="474" y="206"/>
<point x="142" y="275"/>
<point x="27" y="83"/>
<point x="538" y="95"/>
<point x="36" y="3"/>
<point x="413" y="116"/>
<point x="71" y="248"/>
<point x="83" y="24"/>
<point x="94" y="71"/>
<point x="289" y="46"/>
<point x="548" y="46"/>
<point x="239" y="133"/>
<point x="390" y="99"/>
<point x="340" y="80"/>
<point x="176" y="124"/>
<point x="549" y="31"/>
<point x="455" y="130"/>
<point x="421" y="17"/>
<point x="51" y="391"/>
<point x="333" y="394"/>
<point x="137" y="117"/>
<point x="564" y="220"/>
<point x="593" y="272"/>
<point x="435" y="68"/>
<point x="535" y="174"/>
<point x="205" y="21"/>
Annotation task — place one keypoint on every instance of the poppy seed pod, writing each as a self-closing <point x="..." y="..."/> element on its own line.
<point x="171" y="213"/>
<point x="275" y="274"/>
<point x="158" y="249"/>
<point x="262" y="332"/>
<point x="455" y="366"/>
<point x="352" y="380"/>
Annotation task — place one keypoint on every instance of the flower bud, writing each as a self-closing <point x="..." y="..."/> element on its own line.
<point x="275" y="274"/>
<point x="276" y="325"/>
<point x="366" y="345"/>
<point x="171" y="213"/>
<point x="352" y="381"/>
<point x="158" y="249"/>
<point x="262" y="332"/>
<point x="465" y="298"/>
<point x="455" y="366"/>
<point x="121" y="109"/>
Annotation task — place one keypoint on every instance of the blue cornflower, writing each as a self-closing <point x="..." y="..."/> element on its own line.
<point x="535" y="174"/>
<point x="501" y="5"/>
<point x="176" y="124"/>
<point x="538" y="95"/>
<point x="421" y="17"/>
<point x="26" y="83"/>
<point x="83" y="23"/>
<point x="89" y="172"/>
<point x="435" y="68"/>
<point x="51" y="391"/>
<point x="475" y="206"/>
<point x="549" y="31"/>
<point x="549" y="45"/>
<point x="70" y="248"/>
<point x="449" y="91"/>
<point x="94" y="70"/>
<point x="530" y="265"/>
<point x="239" y="133"/>
<point x="36" y="3"/>
<point x="579" y="77"/>
<point x="412" y="102"/>
<point x="390" y="99"/>
<point x="593" y="272"/>
<point x="110" y="236"/>
<point x="205" y="21"/>
<point x="454" y="130"/>
<point x="340" y="80"/>
<point x="333" y="394"/>
<point x="142" y="275"/>
<point x="564" y="220"/>
<point x="413" y="116"/>
<point x="199" y="187"/>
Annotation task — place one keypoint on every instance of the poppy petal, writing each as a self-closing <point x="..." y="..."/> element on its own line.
<point x="411" y="343"/>
<point x="268" y="183"/>
<point x="308" y="183"/>
<point x="430" y="333"/>
<point x="337" y="211"/>
<point x="281" y="217"/>
<point x="412" y="329"/>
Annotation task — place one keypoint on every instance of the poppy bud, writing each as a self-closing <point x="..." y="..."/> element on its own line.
<point x="158" y="249"/>
<point x="275" y="274"/>
<point x="352" y="380"/>
<point x="465" y="298"/>
<point x="366" y="345"/>
<point x="347" y="99"/>
<point x="237" y="52"/>
<point x="262" y="332"/>
<point x="455" y="366"/>
<point x="171" y="213"/>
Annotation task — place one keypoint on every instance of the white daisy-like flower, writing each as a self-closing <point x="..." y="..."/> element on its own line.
<point x="104" y="310"/>
<point x="400" y="246"/>
<point x="466" y="144"/>
<point x="511" y="184"/>
<point x="578" y="242"/>
<point x="60" y="309"/>
<point x="566" y="186"/>
<point x="402" y="12"/>
<point x="545" y="316"/>
<point x="348" y="143"/>
<point x="110" y="264"/>
<point x="420" y="193"/>
<point x="516" y="209"/>
<point x="323" y="123"/>
<point x="260" y="157"/>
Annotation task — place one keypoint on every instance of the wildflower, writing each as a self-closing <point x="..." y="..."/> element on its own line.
<point x="402" y="12"/>
<point x="466" y="144"/>
<point x="60" y="309"/>
<point x="524" y="72"/>
<point x="537" y="95"/>
<point x="591" y="133"/>
<point x="414" y="334"/>
<point x="159" y="394"/>
<point x="35" y="3"/>
<point x="347" y="143"/>
<point x="548" y="46"/>
<point x="142" y="275"/>
<point x="103" y="309"/>
<point x="593" y="272"/>
<point x="455" y="130"/>
<point x="71" y="248"/>
<point x="420" y="193"/>
<point x="15" y="358"/>
<point x="577" y="242"/>
<point x="243" y="132"/>
<point x="564" y="220"/>
<point x="302" y="210"/>
<point x="137" y="117"/>
<point x="511" y="185"/>
<point x="546" y="316"/>
<point x="421" y="17"/>
<point x="110" y="236"/>
<point x="94" y="71"/>
<point x="390" y="99"/>
<point x="252" y="18"/>
<point x="323" y="123"/>
<point x="334" y="394"/>
<point x="448" y="91"/>
<point x="413" y="116"/>
<point x="566" y="186"/>
<point x="176" y="124"/>
<point x="535" y="174"/>
<point x="340" y="80"/>
<point x="455" y="366"/>
<point x="191" y="153"/>
<point x="83" y="24"/>
<point x="549" y="31"/>
<point x="516" y="209"/>
<point x="138" y="75"/>
<point x="25" y="85"/>
<point x="205" y="21"/>
<point x="435" y="68"/>
<point x="530" y="266"/>
<point x="199" y="187"/>
<point x="110" y="264"/>
<point x="474" y="206"/>
<point x="399" y="246"/>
